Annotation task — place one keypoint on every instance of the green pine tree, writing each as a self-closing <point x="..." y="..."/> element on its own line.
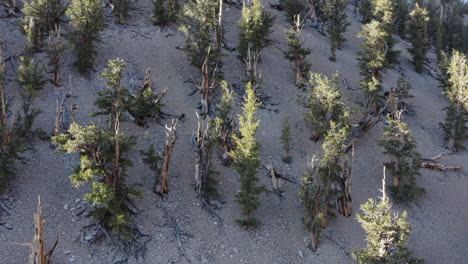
<point x="456" y="90"/>
<point x="418" y="36"/>
<point x="404" y="165"/>
<point x="324" y="104"/>
<point x="296" y="53"/>
<point x="254" y="27"/>
<point x="401" y="17"/>
<point x="383" y="12"/>
<point x="365" y="10"/>
<point x="286" y="140"/>
<point x="387" y="234"/>
<point x="293" y="8"/>
<point x="87" y="19"/>
<point x="122" y="9"/>
<point x="224" y="123"/>
<point x="247" y="160"/>
<point x="165" y="12"/>
<point x="337" y="22"/>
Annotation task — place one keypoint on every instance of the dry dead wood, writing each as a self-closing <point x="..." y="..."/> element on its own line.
<point x="59" y="112"/>
<point x="344" y="198"/>
<point x="5" y="208"/>
<point x="161" y="186"/>
<point x="38" y="254"/>
<point x="207" y="84"/>
<point x="433" y="164"/>
<point x="254" y="76"/>
<point x="203" y="157"/>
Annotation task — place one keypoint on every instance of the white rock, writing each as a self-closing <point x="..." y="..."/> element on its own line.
<point x="65" y="206"/>
<point x="67" y="252"/>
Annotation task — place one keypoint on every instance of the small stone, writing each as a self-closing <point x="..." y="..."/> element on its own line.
<point x="215" y="222"/>
<point x="204" y="260"/>
<point x="78" y="200"/>
<point x="65" y="207"/>
<point x="300" y="254"/>
<point x="236" y="250"/>
<point x="72" y="259"/>
<point x="67" y="252"/>
<point x="88" y="237"/>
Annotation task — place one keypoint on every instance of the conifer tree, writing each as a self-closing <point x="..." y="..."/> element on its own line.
<point x="383" y="12"/>
<point x="365" y="10"/>
<point x="404" y="165"/>
<point x="87" y="19"/>
<point x="55" y="50"/>
<point x="224" y="123"/>
<point x="371" y="60"/>
<point x="337" y="21"/>
<point x="247" y="160"/>
<point x="296" y="52"/>
<point x="254" y="27"/>
<point x="286" y="140"/>
<point x="387" y="233"/>
<point x="104" y="161"/>
<point x="456" y="90"/>
<point x="31" y="76"/>
<point x="418" y="36"/>
<point x="401" y="17"/>
<point x="293" y="8"/>
<point x="319" y="185"/>
<point x="165" y="11"/>
<point x="41" y="16"/>
<point x="121" y="9"/>
<point x="324" y="104"/>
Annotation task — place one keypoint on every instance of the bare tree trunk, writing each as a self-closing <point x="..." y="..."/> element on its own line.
<point x="344" y="199"/>
<point x="219" y="34"/>
<point x="161" y="187"/>
<point x="313" y="241"/>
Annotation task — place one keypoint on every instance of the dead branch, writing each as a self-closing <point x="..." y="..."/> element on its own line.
<point x="278" y="174"/>
<point x="433" y="164"/>
<point x="5" y="208"/>
<point x="172" y="222"/>
<point x="161" y="186"/>
<point x="206" y="86"/>
<point x="38" y="255"/>
<point x="59" y="112"/>
<point x="203" y="158"/>
<point x="254" y="76"/>
<point x="344" y="198"/>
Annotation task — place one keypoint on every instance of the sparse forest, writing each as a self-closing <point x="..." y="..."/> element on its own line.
<point x="227" y="131"/>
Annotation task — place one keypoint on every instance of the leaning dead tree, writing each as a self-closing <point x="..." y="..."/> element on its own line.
<point x="207" y="84"/>
<point x="161" y="186"/>
<point x="38" y="254"/>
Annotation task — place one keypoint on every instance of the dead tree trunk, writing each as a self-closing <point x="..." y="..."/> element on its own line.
<point x="251" y="62"/>
<point x="38" y="255"/>
<point x="161" y="187"/>
<point x="219" y="34"/>
<point x="203" y="158"/>
<point x="344" y="198"/>
<point x="59" y="111"/>
<point x="205" y="86"/>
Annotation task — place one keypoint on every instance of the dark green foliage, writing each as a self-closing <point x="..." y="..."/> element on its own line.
<point x="165" y="12"/>
<point x="402" y="88"/>
<point x="324" y="104"/>
<point x="55" y="50"/>
<point x="121" y="9"/>
<point x="144" y="104"/>
<point x="365" y="10"/>
<point x="455" y="86"/>
<point x="293" y="8"/>
<point x="247" y="160"/>
<point x="418" y="36"/>
<point x="401" y="17"/>
<point x="254" y="27"/>
<point x="87" y="19"/>
<point x="286" y="140"/>
<point x="296" y="53"/>
<point x="387" y="234"/>
<point x="199" y="21"/>
<point x="383" y="12"/>
<point x="404" y="165"/>
<point x="319" y="184"/>
<point x="224" y="124"/>
<point x="337" y="21"/>
<point x="41" y="16"/>
<point x="97" y="149"/>
<point x="32" y="78"/>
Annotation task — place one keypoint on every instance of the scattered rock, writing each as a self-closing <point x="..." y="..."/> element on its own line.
<point x="65" y="207"/>
<point x="67" y="252"/>
<point x="72" y="259"/>
<point x="300" y="254"/>
<point x="236" y="250"/>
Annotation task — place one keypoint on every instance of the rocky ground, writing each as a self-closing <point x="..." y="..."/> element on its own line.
<point x="439" y="235"/>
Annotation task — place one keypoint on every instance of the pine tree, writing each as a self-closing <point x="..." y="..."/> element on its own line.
<point x="401" y="17"/>
<point x="104" y="161"/>
<point x="224" y="123"/>
<point x="40" y="17"/>
<point x="247" y="160"/>
<point x="404" y="165"/>
<point x="286" y="140"/>
<point x="87" y="19"/>
<point x="121" y="9"/>
<point x="387" y="234"/>
<point x="199" y="21"/>
<point x="337" y="22"/>
<point x="165" y="12"/>
<point x="55" y="50"/>
<point x="296" y="53"/>
<point x="324" y="104"/>
<point x="383" y="13"/>
<point x="456" y="90"/>
<point x="293" y="8"/>
<point x="365" y="10"/>
<point x="371" y="60"/>
<point x="254" y="27"/>
<point x="418" y="36"/>
<point x="319" y="185"/>
<point x="32" y="78"/>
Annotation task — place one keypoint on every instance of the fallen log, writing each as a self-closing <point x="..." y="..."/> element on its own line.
<point x="433" y="164"/>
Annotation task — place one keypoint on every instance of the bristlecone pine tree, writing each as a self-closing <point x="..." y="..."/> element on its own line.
<point x="10" y="143"/>
<point x="324" y="104"/>
<point x="365" y="10"/>
<point x="104" y="161"/>
<point x="383" y="13"/>
<point x="55" y="50"/>
<point x="87" y="19"/>
<point x="41" y="16"/>
<point x="247" y="160"/>
<point x="32" y="78"/>
<point x="401" y="17"/>
<point x="419" y="37"/>
<point x="254" y="27"/>
<point x="296" y="53"/>
<point x="199" y="20"/>
<point x="337" y="22"/>
<point x="404" y="165"/>
<point x="121" y="9"/>
<point x="319" y="185"/>
<point x="371" y="61"/>
<point x="224" y="123"/>
<point x="286" y="140"/>
<point x="165" y="12"/>
<point x="456" y="90"/>
<point x="293" y="8"/>
<point x="387" y="234"/>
